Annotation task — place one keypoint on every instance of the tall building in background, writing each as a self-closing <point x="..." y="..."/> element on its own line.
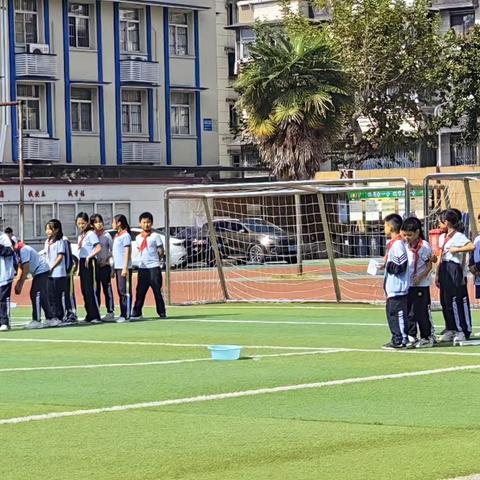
<point x="111" y="83"/>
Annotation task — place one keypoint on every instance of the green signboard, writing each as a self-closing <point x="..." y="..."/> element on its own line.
<point x="384" y="193"/>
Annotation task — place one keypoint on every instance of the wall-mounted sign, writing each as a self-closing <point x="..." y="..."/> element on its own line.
<point x="207" y="125"/>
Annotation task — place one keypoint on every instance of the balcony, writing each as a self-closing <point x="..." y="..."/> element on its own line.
<point x="453" y="4"/>
<point x="36" y="65"/>
<point x="41" y="149"/>
<point x="139" y="72"/>
<point x="142" y="152"/>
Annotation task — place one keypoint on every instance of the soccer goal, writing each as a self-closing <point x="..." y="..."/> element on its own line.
<point x="283" y="241"/>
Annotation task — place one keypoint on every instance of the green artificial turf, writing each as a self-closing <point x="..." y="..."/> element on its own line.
<point x="424" y="427"/>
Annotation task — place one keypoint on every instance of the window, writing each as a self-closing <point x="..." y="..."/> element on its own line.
<point x="247" y="37"/>
<point x="43" y="214"/>
<point x="178" y="32"/>
<point x="79" y="25"/>
<point x="461" y="22"/>
<point x="180" y="113"/>
<point x="232" y="70"/>
<point x="132" y="111"/>
<point x="82" y="118"/>
<point x="66" y="214"/>
<point x="130" y="30"/>
<point x="122" y="209"/>
<point x="10" y="217"/>
<point x="460" y="152"/>
<point x="233" y="118"/>
<point x="26" y="19"/>
<point x="230" y="6"/>
<point x="30" y="96"/>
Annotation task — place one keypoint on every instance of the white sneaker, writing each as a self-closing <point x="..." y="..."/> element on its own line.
<point x="95" y="321"/>
<point x="447" y="336"/>
<point x="412" y="342"/>
<point x="4" y="328"/>
<point x="109" y="317"/>
<point x="136" y="317"/>
<point x="52" y="322"/>
<point x="459" y="337"/>
<point x="121" y="320"/>
<point x="425" y="343"/>
<point x="33" y="325"/>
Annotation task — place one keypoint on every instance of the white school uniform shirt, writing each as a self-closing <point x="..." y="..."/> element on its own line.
<point x="7" y="270"/>
<point x="86" y="243"/>
<point x="149" y="256"/>
<point x="105" y="254"/>
<point x="457" y="240"/>
<point x="120" y="243"/>
<point x="476" y="256"/>
<point x="52" y="251"/>
<point x="424" y="253"/>
<point x="38" y="264"/>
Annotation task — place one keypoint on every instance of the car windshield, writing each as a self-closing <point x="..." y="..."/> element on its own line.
<point x="261" y="226"/>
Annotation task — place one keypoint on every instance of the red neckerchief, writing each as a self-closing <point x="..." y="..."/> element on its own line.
<point x="144" y="244"/>
<point x="20" y="245"/>
<point x="81" y="239"/>
<point x="390" y="244"/>
<point x="447" y="238"/>
<point x="416" y="250"/>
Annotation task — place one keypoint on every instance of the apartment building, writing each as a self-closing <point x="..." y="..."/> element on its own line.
<point x="110" y="83"/>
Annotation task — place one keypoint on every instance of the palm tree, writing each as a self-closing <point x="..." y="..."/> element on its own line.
<point x="292" y="93"/>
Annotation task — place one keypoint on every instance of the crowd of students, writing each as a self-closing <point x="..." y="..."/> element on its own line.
<point x="408" y="266"/>
<point x="101" y="259"/>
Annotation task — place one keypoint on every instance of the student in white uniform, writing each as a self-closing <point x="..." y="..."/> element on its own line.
<point x="55" y="255"/>
<point x="122" y="264"/>
<point x="7" y="273"/>
<point x="451" y="277"/>
<point x="474" y="264"/>
<point x="29" y="261"/>
<point x="420" y="261"/>
<point x="150" y="247"/>
<point x="88" y="248"/>
<point x="104" y="270"/>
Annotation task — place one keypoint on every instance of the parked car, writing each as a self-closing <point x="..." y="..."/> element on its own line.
<point x="178" y="252"/>
<point x="198" y="245"/>
<point x="253" y="240"/>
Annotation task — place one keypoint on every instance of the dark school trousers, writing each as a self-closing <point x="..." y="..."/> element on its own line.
<point x="124" y="289"/>
<point x="104" y="282"/>
<point x="149" y="278"/>
<point x="39" y="295"/>
<point x="89" y="290"/>
<point x="397" y="308"/>
<point x="57" y="288"/>
<point x="454" y="298"/>
<point x="419" y="312"/>
<point x="5" y="295"/>
<point x="70" y="301"/>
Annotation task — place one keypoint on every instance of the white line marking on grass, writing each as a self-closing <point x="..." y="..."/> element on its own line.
<point x="154" y="344"/>
<point x="243" y="393"/>
<point x="160" y="362"/>
<point x="280" y="322"/>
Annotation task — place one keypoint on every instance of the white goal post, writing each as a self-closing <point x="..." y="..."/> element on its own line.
<point x="282" y="241"/>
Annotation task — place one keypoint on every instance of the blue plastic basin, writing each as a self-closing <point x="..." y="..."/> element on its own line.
<point x="225" y="352"/>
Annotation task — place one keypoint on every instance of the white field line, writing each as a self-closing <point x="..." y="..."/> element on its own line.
<point x="262" y="347"/>
<point x="238" y="394"/>
<point x="146" y="364"/>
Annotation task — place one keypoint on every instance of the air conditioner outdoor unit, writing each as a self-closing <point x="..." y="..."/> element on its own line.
<point x="38" y="48"/>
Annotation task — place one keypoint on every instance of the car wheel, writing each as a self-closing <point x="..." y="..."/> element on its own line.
<point x="256" y="254"/>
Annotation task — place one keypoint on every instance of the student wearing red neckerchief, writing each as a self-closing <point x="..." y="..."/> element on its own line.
<point x="122" y="265"/>
<point x="451" y="277"/>
<point x="150" y="247"/>
<point x="396" y="283"/>
<point x="420" y="260"/>
<point x="88" y="248"/>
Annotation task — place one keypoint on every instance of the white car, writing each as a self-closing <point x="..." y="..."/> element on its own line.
<point x="178" y="252"/>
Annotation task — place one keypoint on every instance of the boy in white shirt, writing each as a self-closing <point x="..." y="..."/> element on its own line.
<point x="7" y="273"/>
<point x="150" y="247"/>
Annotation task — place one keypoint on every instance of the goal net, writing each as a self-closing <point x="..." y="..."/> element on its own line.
<point x="283" y="241"/>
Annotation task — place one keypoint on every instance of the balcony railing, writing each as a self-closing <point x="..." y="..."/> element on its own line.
<point x="41" y="149"/>
<point x="453" y="4"/>
<point x="142" y="152"/>
<point x="36" y="65"/>
<point x="139" y="71"/>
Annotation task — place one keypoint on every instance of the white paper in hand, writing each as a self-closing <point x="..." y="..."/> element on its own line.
<point x="373" y="268"/>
